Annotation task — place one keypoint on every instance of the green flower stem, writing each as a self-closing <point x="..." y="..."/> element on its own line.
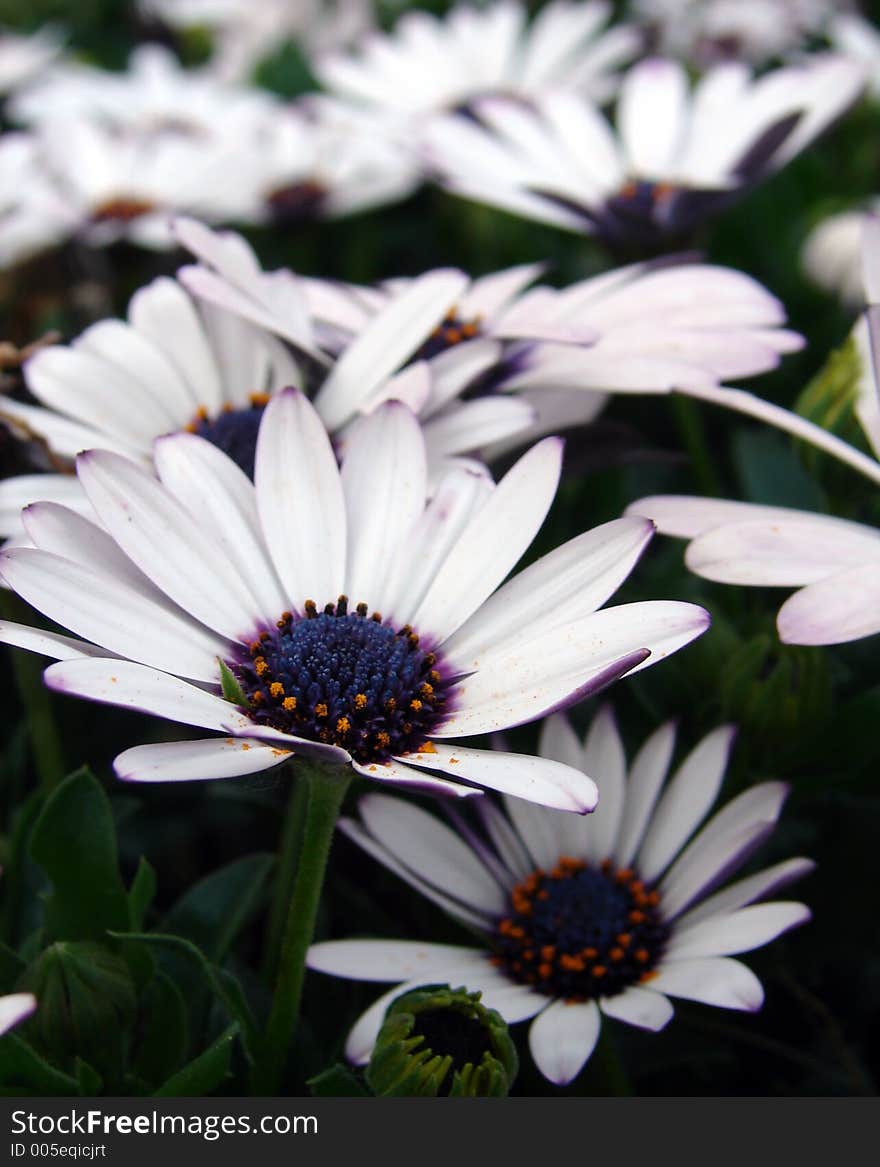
<point x="45" y="741"/>
<point x="288" y="857"/>
<point x="693" y="436"/>
<point x="327" y="787"/>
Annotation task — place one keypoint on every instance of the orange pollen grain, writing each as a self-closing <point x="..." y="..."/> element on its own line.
<point x="289" y="703"/>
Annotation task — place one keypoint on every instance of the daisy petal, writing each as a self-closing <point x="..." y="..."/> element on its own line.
<point x="604" y="757"/>
<point x="46" y="643"/>
<point x="646" y="777"/>
<point x="746" y="891"/>
<point x="387" y="960"/>
<point x="300" y="500"/>
<point x="431" y="849"/>
<point x="196" y="761"/>
<point x="133" y="686"/>
<point x="15" y="1008"/>
<point x="739" y="931"/>
<point x="834" y="611"/>
<point x="686" y="801"/>
<point x="493" y="542"/>
<point x="714" y="980"/>
<point x="563" y="1037"/>
<point x="640" y="1007"/>
<point x="535" y="779"/>
<point x="396" y="773"/>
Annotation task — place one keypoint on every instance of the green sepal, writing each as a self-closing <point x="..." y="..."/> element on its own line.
<point x="230" y="687"/>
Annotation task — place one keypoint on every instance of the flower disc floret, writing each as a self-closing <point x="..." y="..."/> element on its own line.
<point x="234" y="431"/>
<point x="347" y="679"/>
<point x="581" y="931"/>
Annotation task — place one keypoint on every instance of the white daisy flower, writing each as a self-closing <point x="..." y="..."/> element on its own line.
<point x="834" y="562"/>
<point x="673" y="156"/>
<point x="609" y="915"/>
<point x="34" y="215"/>
<point x="858" y="38"/>
<point x="244" y="32"/>
<point x="507" y="361"/>
<point x="24" y="55"/>
<point x="336" y="614"/>
<point x="831" y="255"/>
<point x="155" y="94"/>
<point x="706" y="31"/>
<point x="428" y="64"/>
<point x="322" y="158"/>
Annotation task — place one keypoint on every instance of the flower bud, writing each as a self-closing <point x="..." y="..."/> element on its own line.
<point x="442" y="1041"/>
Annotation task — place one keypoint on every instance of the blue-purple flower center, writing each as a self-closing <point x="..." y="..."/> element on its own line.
<point x="581" y="932"/>
<point x="234" y="431"/>
<point x="452" y="330"/>
<point x="346" y="679"/>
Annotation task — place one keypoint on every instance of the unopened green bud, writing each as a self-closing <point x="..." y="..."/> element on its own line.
<point x="442" y="1041"/>
<point x="86" y="1001"/>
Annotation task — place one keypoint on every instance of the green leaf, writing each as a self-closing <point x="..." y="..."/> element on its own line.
<point x="22" y="1066"/>
<point x="337" y="1082"/>
<point x="230" y="687"/>
<point x="204" y="1073"/>
<point x="141" y="894"/>
<point x="88" y="1079"/>
<point x="212" y="913"/>
<point x="74" y="841"/>
<point x="165" y="1031"/>
<point x="771" y="472"/>
<point x="221" y="983"/>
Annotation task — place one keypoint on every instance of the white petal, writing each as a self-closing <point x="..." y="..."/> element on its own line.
<point x="640" y="1007"/>
<point x="429" y="848"/>
<point x="452" y="907"/>
<point x="196" y="761"/>
<point x="745" y="891"/>
<point x="722" y="845"/>
<point x="713" y="980"/>
<point x="384" y="478"/>
<point x="685" y="802"/>
<point x="842" y="608"/>
<point x="397" y="774"/>
<point x="392" y="336"/>
<point x="493" y="542"/>
<point x="646" y="777"/>
<point x="540" y="780"/>
<point x="15" y="1008"/>
<point x="109" y="612"/>
<point x="605" y="760"/>
<point x="504" y="838"/>
<point x="133" y="686"/>
<point x="685" y="516"/>
<point x="739" y="931"/>
<point x="221" y="497"/>
<point x="563" y="1037"/>
<point x="387" y="960"/>
<point x="169" y="546"/>
<point x="651" y="115"/>
<point x="46" y="643"/>
<point x="798" y="550"/>
<point x="567" y="583"/>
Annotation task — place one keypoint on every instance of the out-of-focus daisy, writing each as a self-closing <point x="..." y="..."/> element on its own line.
<point x="428" y="64"/>
<point x="24" y="55"/>
<point x="674" y="155"/>
<point x="503" y="356"/>
<point x="155" y="94"/>
<point x="244" y="32"/>
<point x="583" y="917"/>
<point x="834" y="562"/>
<point x="856" y="37"/>
<point x="335" y="614"/>
<point x="832" y="254"/>
<point x="34" y="215"/>
<point x="322" y="159"/>
<point x="706" y="31"/>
